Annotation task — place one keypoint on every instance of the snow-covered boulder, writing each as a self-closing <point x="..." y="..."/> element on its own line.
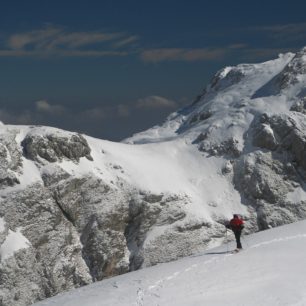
<point x="53" y="147"/>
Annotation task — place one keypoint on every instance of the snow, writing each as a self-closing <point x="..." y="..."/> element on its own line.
<point x="225" y="71"/>
<point x="12" y="243"/>
<point x="297" y="195"/>
<point x="231" y="105"/>
<point x="269" y="271"/>
<point x="175" y="167"/>
<point x="30" y="174"/>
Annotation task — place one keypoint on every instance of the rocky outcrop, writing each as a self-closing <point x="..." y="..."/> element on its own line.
<point x="295" y="68"/>
<point x="81" y="229"/>
<point x="228" y="147"/>
<point x="299" y="106"/>
<point x="52" y="263"/>
<point x="99" y="213"/>
<point x="226" y="77"/>
<point x="284" y="133"/>
<point x="266" y="178"/>
<point x="11" y="161"/>
<point x="52" y="147"/>
<point x="145" y="211"/>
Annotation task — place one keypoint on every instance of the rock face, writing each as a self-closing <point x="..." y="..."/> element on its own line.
<point x="74" y="210"/>
<point x="10" y="159"/>
<point x="54" y="148"/>
<point x="52" y="262"/>
<point x="78" y="228"/>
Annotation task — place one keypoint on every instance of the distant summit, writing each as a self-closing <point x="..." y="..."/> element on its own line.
<point x="247" y="89"/>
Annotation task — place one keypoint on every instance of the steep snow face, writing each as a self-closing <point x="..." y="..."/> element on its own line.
<point x="270" y="271"/>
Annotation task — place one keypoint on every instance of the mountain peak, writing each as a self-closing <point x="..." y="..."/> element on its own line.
<point x="243" y="90"/>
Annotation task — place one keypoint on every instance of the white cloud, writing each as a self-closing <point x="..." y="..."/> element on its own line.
<point x="57" y="41"/>
<point x="21" y="40"/>
<point x="44" y="107"/>
<point x="180" y="54"/>
<point x="126" y="41"/>
<point x="155" y="102"/>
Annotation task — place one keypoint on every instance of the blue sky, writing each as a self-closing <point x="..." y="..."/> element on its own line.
<point x="112" y="68"/>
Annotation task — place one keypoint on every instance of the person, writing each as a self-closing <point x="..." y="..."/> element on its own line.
<point x="236" y="224"/>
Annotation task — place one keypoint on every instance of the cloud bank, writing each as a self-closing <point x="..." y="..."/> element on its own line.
<point x="57" y="41"/>
<point x="155" y="102"/>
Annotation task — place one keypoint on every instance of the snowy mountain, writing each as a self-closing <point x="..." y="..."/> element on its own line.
<point x="75" y="209"/>
<point x="269" y="272"/>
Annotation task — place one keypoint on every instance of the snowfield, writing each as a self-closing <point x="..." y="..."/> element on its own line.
<point x="269" y="271"/>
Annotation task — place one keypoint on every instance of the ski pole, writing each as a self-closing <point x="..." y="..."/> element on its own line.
<point x="226" y="240"/>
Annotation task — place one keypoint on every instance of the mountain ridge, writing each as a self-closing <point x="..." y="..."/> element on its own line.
<point x="75" y="209"/>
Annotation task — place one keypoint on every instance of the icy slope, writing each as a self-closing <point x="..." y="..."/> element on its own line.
<point x="269" y="271"/>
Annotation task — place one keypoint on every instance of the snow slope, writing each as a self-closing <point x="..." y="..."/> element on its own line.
<point x="269" y="271"/>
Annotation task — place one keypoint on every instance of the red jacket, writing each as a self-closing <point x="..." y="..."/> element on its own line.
<point x="236" y="224"/>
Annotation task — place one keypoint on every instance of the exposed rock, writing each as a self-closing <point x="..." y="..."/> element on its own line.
<point x="299" y="106"/>
<point x="228" y="167"/>
<point x="264" y="137"/>
<point x="226" y="77"/>
<point x="271" y="216"/>
<point x="229" y="147"/>
<point x="296" y="67"/>
<point x="287" y="133"/>
<point x="263" y="176"/>
<point x="11" y="159"/>
<point x="52" y="147"/>
<point x="287" y="78"/>
<point x="99" y="213"/>
<point x="200" y="117"/>
<point x="186" y="238"/>
<point x="53" y="174"/>
<point x="53" y="263"/>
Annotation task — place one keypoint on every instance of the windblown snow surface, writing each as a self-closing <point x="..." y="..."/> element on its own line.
<point x="269" y="271"/>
